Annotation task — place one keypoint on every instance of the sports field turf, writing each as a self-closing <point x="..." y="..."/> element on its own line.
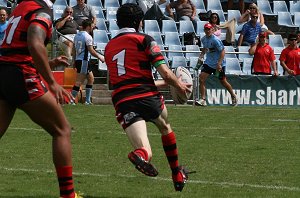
<point x="237" y="152"/>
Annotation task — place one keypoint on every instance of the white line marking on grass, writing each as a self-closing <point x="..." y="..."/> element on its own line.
<point x="285" y="120"/>
<point x="25" y="129"/>
<point x="287" y="188"/>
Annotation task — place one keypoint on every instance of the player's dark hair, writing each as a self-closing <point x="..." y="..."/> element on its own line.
<point x="86" y="23"/>
<point x="129" y="15"/>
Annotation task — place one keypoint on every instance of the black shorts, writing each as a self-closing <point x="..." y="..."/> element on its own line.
<point x="147" y="109"/>
<point x="209" y="70"/>
<point x="82" y="66"/>
<point x="19" y="85"/>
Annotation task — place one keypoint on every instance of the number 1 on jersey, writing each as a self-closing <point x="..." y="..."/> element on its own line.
<point x="119" y="57"/>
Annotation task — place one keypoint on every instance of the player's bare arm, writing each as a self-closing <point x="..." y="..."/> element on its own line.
<point x="35" y="39"/>
<point x="95" y="54"/>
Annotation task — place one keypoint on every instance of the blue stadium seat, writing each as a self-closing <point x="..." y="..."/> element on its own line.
<point x="99" y="12"/>
<point x="294" y="7"/>
<point x="276" y="40"/>
<point x="233" y="14"/>
<point x="245" y="54"/>
<point x="172" y="38"/>
<point x="186" y="26"/>
<point x="214" y="5"/>
<point x="151" y="26"/>
<point x="174" y="48"/>
<point x="111" y="3"/>
<point x="72" y="3"/>
<point x="279" y="6"/>
<point x="247" y="66"/>
<point x="128" y="1"/>
<point x="285" y="19"/>
<point x="231" y="50"/>
<point x="112" y="25"/>
<point x="58" y="10"/>
<point x="192" y="54"/>
<point x="233" y="66"/>
<point x="57" y="2"/>
<point x="277" y="51"/>
<point x="200" y="27"/>
<point x="168" y="26"/>
<point x="279" y="68"/>
<point x="178" y="61"/>
<point x="97" y="3"/>
<point x="101" y="25"/>
<point x="113" y="33"/>
<point x="199" y="5"/>
<point x="157" y="37"/>
<point x="265" y="7"/>
<point x="297" y="19"/>
<point x="111" y="13"/>
<point x="100" y="36"/>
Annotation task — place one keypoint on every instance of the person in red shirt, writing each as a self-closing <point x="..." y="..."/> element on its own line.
<point x="290" y="57"/>
<point x="23" y="62"/>
<point x="129" y="57"/>
<point x="263" y="57"/>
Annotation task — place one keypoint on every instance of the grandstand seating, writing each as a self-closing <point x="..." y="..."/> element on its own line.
<point x="111" y="13"/>
<point x="230" y="49"/>
<point x="72" y="3"/>
<point x="297" y="19"/>
<point x="101" y="25"/>
<point x="247" y="66"/>
<point x="151" y="26"/>
<point x="100" y="37"/>
<point x="186" y="26"/>
<point x="172" y="38"/>
<point x="279" y="6"/>
<point x="294" y="7"/>
<point x="214" y="5"/>
<point x="157" y="37"/>
<point x="58" y="10"/>
<point x="168" y="26"/>
<point x="174" y="48"/>
<point x="111" y="3"/>
<point x="112" y="25"/>
<point x="245" y="54"/>
<point x="199" y="5"/>
<point x="97" y="3"/>
<point x="99" y="12"/>
<point x="178" y="61"/>
<point x="276" y="40"/>
<point x="233" y="66"/>
<point x="192" y="54"/>
<point x="285" y="19"/>
<point x="265" y="7"/>
<point x="57" y="2"/>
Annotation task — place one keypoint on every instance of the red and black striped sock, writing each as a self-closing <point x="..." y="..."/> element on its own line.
<point x="65" y="180"/>
<point x="170" y="148"/>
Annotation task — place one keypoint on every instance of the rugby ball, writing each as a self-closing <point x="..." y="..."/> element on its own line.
<point x="185" y="76"/>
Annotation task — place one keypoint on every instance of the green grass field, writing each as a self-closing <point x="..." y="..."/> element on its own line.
<point x="237" y="152"/>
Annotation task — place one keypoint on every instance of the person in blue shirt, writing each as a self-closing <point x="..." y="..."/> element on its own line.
<point x="250" y="31"/>
<point x="83" y="46"/>
<point x="3" y="22"/>
<point x="213" y="64"/>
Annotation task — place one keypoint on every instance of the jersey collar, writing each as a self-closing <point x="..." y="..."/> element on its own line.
<point x="123" y="30"/>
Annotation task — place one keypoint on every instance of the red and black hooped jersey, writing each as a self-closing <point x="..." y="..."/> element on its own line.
<point x="14" y="47"/>
<point x="129" y="57"/>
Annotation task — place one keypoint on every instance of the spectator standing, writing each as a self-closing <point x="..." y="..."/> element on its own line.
<point x="214" y="20"/>
<point x="129" y="57"/>
<point x="83" y="43"/>
<point x="263" y="57"/>
<point x="254" y="10"/>
<point x="23" y="62"/>
<point x="184" y="10"/>
<point x="290" y="57"/>
<point x="3" y="22"/>
<point x="83" y="11"/>
<point x="249" y="32"/>
<point x="68" y="28"/>
<point x="213" y="64"/>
